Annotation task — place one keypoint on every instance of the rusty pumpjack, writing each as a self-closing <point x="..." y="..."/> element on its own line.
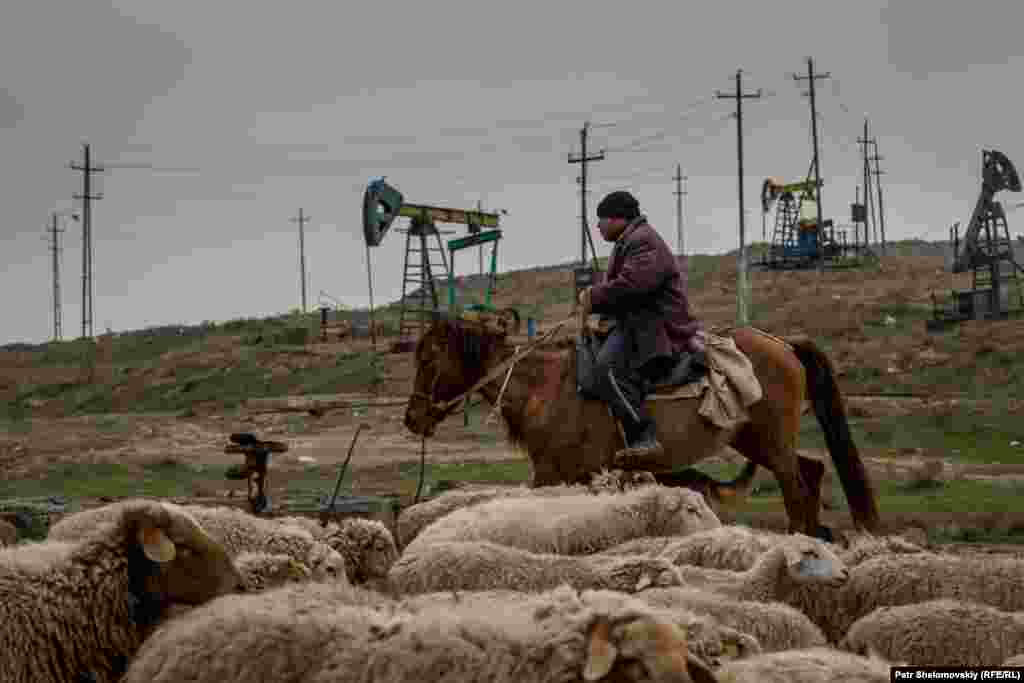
<point x="987" y="252"/>
<point x="425" y="264"/>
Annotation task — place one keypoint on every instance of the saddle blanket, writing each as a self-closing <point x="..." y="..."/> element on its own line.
<point x="726" y="390"/>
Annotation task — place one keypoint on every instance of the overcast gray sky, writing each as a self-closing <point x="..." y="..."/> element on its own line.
<point x="287" y="105"/>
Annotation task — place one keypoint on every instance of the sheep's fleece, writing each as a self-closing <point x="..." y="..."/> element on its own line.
<point x="597" y="635"/>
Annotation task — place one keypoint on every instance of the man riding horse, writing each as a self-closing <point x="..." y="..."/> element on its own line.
<point x="643" y="296"/>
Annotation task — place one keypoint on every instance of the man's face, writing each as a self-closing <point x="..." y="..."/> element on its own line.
<point x="611" y="227"/>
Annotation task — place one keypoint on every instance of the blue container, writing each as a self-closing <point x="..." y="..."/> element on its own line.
<point x="531" y="327"/>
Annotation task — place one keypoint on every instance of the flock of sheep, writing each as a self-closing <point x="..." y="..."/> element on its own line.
<point x="614" y="582"/>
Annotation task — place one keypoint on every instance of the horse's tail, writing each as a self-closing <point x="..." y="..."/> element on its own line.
<point x="827" y="402"/>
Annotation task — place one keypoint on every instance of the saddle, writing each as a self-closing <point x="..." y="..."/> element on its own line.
<point x="688" y="368"/>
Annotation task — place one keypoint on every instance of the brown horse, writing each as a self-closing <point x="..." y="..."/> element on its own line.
<point x="569" y="437"/>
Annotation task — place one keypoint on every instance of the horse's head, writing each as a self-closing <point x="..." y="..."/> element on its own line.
<point x="450" y="358"/>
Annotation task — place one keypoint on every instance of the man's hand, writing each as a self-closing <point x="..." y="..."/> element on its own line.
<point x="584" y="301"/>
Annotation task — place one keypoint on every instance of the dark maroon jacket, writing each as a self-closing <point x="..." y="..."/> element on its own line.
<point x="644" y="292"/>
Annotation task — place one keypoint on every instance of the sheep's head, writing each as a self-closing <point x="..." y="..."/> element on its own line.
<point x="646" y="649"/>
<point x="261" y="571"/>
<point x="685" y="511"/>
<point x="808" y="560"/>
<point x="325" y="563"/>
<point x="185" y="565"/>
<point x="366" y="544"/>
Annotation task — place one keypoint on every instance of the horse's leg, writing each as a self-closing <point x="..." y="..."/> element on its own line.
<point x="764" y="448"/>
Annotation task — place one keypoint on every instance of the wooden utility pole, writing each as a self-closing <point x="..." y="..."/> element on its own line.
<point x="811" y="78"/>
<point x="301" y="220"/>
<point x="582" y="179"/>
<point x="87" y="169"/>
<point x="680" y="192"/>
<point x="53" y="239"/>
<point x="743" y="291"/>
<point x="878" y="186"/>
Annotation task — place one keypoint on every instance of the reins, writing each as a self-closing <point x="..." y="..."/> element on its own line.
<point x="501" y="367"/>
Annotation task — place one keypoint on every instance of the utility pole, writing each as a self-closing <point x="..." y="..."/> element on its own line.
<point x="870" y="225"/>
<point x="87" y="169"/>
<point x="878" y="185"/>
<point x="480" y="248"/>
<point x="582" y="179"/>
<point x="811" y="78"/>
<point x="679" y="193"/>
<point x="743" y="291"/>
<point x="301" y="220"/>
<point x="53" y="238"/>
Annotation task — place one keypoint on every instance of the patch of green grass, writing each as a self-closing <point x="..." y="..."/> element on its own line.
<point x="507" y="472"/>
<point x="77" y="480"/>
<point x="111" y="423"/>
<point x="962" y="437"/>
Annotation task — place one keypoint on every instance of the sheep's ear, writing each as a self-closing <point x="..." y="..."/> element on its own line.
<point x="601" y="653"/>
<point x="155" y="544"/>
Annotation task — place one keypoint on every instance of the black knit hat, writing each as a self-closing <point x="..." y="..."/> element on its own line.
<point x="619" y="204"/>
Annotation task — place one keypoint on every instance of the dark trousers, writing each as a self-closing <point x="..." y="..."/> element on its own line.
<point x="624" y="387"/>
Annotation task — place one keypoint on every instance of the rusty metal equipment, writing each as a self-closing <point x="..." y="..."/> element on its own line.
<point x="986" y="251"/>
<point x="254" y="468"/>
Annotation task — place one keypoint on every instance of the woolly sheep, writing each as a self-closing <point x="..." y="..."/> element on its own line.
<point x="732" y="547"/>
<point x="811" y="665"/>
<point x="938" y="633"/>
<point x="894" y="580"/>
<point x="597" y="635"/>
<point x="238" y="531"/>
<point x="366" y="544"/>
<point x="417" y="517"/>
<point x="574" y="524"/>
<point x="1016" y="660"/>
<point x="647" y="546"/>
<point x="775" y="626"/>
<point x="794" y="561"/>
<point x="473" y="566"/>
<point x="79" y="611"/>
<point x="262" y="571"/>
<point x="8" y="534"/>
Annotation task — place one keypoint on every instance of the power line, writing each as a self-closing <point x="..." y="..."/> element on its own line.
<point x="742" y="291"/>
<point x="302" y="220"/>
<point x="693" y="105"/>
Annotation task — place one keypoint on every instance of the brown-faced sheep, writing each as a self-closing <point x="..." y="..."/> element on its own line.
<point x="8" y="534"/>
<point x="476" y="566"/>
<point x="79" y="611"/>
<point x="598" y="636"/>
<point x="938" y="633"/>
<point x="573" y="524"/>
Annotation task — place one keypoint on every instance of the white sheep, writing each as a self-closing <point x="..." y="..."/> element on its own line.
<point x="938" y="633"/>
<point x="812" y="665"/>
<point x="794" y="561"/>
<point x="1016" y="660"/>
<point x="262" y="571"/>
<point x="79" y="611"/>
<point x="894" y="580"/>
<point x="647" y="546"/>
<point x="475" y="566"/>
<point x="598" y="635"/>
<point x="238" y="531"/>
<point x="775" y="626"/>
<point x="366" y="544"/>
<point x="415" y="518"/>
<point x="573" y="524"/>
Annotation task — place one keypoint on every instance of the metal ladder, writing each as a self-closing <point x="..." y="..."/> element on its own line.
<point x="425" y="265"/>
<point x="784" y="238"/>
